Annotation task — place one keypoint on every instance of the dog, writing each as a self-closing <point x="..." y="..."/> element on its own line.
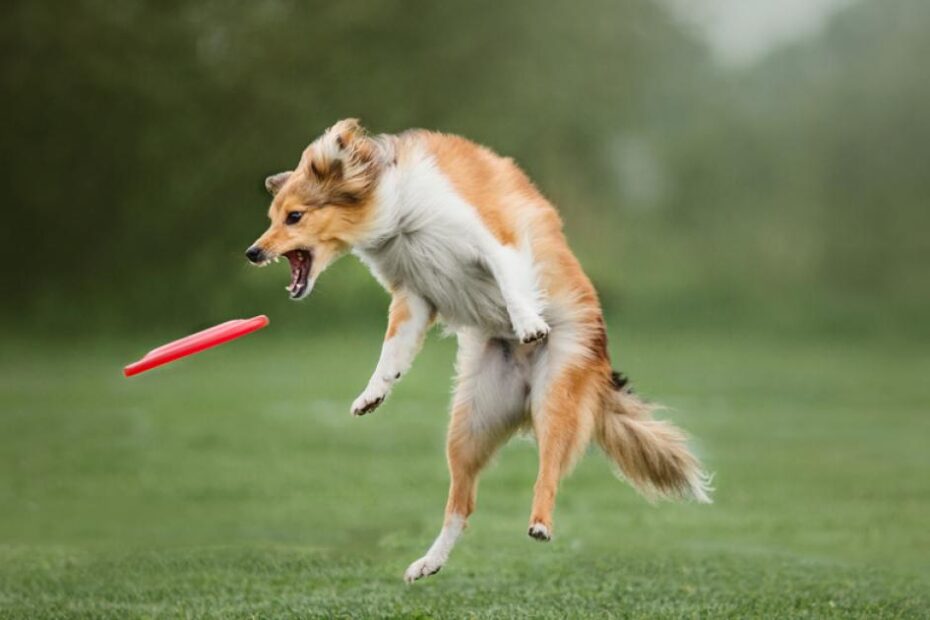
<point x="458" y="234"/>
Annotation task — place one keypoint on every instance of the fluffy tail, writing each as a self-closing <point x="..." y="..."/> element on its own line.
<point x="652" y="454"/>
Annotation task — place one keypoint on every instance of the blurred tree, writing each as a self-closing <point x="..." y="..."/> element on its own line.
<point x="138" y="133"/>
<point x="808" y="171"/>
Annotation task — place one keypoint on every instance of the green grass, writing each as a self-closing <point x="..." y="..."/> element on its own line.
<point x="236" y="484"/>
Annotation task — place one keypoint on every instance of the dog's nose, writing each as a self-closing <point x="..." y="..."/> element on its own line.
<point x="255" y="254"/>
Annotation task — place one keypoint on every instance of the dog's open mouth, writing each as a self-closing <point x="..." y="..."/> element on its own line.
<point x="301" y="261"/>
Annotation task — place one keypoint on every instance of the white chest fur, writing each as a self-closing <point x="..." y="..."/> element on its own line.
<point x="432" y="243"/>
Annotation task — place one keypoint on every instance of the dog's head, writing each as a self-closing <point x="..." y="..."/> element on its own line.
<point x="322" y="207"/>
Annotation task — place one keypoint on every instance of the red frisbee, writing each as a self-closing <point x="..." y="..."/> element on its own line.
<point x="195" y="343"/>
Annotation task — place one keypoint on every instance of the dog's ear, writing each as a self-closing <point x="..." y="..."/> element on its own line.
<point x="343" y="160"/>
<point x="346" y="132"/>
<point x="343" y="146"/>
<point x="275" y="182"/>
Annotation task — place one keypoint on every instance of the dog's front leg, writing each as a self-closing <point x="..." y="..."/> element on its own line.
<point x="517" y="282"/>
<point x="408" y="321"/>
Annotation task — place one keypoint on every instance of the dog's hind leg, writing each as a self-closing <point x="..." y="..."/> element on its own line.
<point x="489" y="405"/>
<point x="565" y="405"/>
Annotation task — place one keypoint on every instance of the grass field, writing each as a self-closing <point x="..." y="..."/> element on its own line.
<point x="236" y="484"/>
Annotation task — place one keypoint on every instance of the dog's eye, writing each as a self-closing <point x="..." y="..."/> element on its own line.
<point x="293" y="217"/>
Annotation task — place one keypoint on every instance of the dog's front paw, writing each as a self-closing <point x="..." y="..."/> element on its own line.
<point x="368" y="401"/>
<point x="424" y="567"/>
<point x="531" y="329"/>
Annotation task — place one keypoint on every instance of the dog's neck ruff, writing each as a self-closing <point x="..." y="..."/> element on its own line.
<point x="388" y="222"/>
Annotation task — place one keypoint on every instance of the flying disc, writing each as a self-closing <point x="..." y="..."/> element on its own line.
<point x="195" y="343"/>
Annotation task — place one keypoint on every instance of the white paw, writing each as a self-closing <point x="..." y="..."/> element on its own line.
<point x="540" y="532"/>
<point x="531" y="328"/>
<point x="368" y="401"/>
<point x="424" y="567"/>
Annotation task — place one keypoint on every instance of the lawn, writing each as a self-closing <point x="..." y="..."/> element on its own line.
<point x="236" y="484"/>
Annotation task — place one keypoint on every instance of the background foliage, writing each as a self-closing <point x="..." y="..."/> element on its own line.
<point x="788" y="195"/>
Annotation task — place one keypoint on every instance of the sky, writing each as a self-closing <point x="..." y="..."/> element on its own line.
<point x="742" y="31"/>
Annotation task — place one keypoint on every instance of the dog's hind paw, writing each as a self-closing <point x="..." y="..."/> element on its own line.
<point x="540" y="532"/>
<point x="424" y="567"/>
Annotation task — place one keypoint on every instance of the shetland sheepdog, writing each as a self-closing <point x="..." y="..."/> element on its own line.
<point x="459" y="235"/>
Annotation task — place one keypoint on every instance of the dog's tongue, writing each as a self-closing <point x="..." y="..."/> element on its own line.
<point x="300" y="271"/>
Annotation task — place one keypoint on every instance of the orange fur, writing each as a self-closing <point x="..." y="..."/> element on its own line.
<point x="503" y="195"/>
<point x="578" y="398"/>
<point x="563" y="429"/>
<point x="581" y="401"/>
<point x="333" y="187"/>
<point x="497" y="197"/>
<point x="467" y="453"/>
<point x="398" y="314"/>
